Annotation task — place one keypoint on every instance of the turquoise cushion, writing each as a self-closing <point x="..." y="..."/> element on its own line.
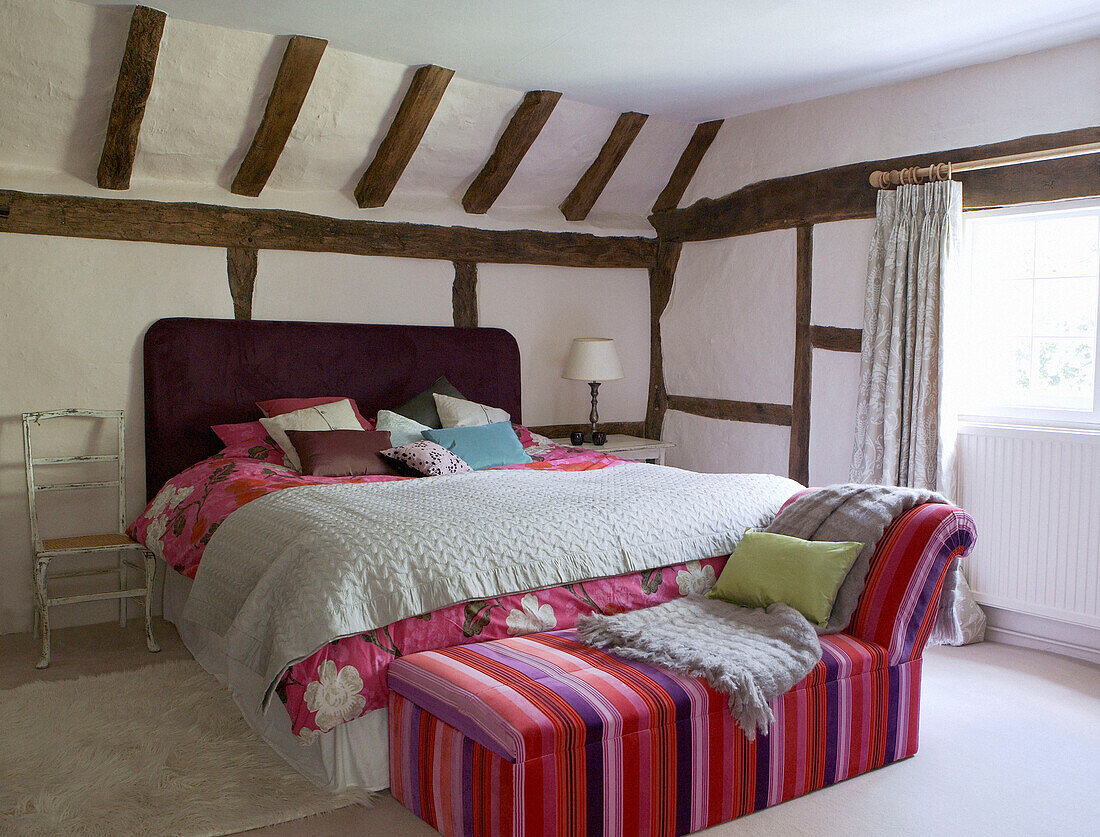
<point x="484" y="446"/>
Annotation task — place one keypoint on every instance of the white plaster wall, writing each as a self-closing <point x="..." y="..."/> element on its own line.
<point x="833" y="388"/>
<point x="1042" y="92"/>
<point x="728" y="330"/>
<point x="545" y="308"/>
<point x="717" y="446"/>
<point x="840" y="272"/>
<point x="71" y="325"/>
<point x="333" y="287"/>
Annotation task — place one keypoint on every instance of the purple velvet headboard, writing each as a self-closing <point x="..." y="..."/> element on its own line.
<point x="202" y="372"/>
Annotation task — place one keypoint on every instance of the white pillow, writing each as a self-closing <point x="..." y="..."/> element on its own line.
<point x="402" y="429"/>
<point x="335" y="416"/>
<point x="458" y="412"/>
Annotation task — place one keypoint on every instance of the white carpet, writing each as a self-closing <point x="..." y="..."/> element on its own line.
<point x="157" y="751"/>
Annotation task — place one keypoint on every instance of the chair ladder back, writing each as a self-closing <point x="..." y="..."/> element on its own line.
<point x="31" y="462"/>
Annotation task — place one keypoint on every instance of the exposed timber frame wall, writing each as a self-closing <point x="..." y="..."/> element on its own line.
<point x="837" y="194"/>
<point x="243" y="232"/>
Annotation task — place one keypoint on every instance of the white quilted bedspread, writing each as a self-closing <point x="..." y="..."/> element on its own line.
<point x="295" y="569"/>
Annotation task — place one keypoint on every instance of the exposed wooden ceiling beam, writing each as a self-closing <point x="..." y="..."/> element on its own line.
<point x="689" y="161"/>
<point x="579" y="202"/>
<point x="135" y="81"/>
<point x="842" y="193"/>
<point x="278" y="229"/>
<point x="416" y="111"/>
<point x="522" y="130"/>
<point x="292" y="83"/>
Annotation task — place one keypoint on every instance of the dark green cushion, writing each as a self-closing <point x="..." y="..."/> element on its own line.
<point x="421" y="407"/>
<point x="766" y="568"/>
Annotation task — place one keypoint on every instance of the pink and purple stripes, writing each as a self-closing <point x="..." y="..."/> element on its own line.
<point x="621" y="748"/>
<point x="541" y="735"/>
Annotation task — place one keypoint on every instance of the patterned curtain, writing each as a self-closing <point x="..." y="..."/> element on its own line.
<point x="917" y="233"/>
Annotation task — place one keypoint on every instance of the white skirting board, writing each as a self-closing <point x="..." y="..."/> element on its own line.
<point x="1044" y="633"/>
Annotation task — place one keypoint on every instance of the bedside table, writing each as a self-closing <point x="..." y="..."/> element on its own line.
<point x="627" y="447"/>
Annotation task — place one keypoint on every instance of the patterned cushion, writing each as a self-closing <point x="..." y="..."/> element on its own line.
<point x="428" y="458"/>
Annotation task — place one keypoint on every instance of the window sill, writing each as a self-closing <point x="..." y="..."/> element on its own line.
<point x="1001" y="426"/>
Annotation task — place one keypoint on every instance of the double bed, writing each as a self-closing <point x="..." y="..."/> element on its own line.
<point x="545" y="541"/>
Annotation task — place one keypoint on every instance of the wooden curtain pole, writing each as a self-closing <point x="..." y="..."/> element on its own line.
<point x="943" y="171"/>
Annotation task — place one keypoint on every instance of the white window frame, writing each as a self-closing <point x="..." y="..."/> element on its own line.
<point x="1042" y="416"/>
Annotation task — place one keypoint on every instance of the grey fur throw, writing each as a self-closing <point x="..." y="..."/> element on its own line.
<point x="749" y="654"/>
<point x="849" y="512"/>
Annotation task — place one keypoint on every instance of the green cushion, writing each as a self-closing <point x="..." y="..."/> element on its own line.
<point x="482" y="446"/>
<point x="766" y="568"/>
<point x="421" y="408"/>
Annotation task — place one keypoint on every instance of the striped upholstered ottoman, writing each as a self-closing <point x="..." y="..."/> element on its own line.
<point x="542" y="735"/>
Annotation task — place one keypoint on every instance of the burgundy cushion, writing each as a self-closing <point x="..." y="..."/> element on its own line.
<point x="242" y="433"/>
<point x="342" y="453"/>
<point x="281" y="406"/>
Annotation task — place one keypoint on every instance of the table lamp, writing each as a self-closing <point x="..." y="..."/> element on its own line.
<point x="593" y="359"/>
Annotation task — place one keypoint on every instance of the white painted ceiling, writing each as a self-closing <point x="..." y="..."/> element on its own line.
<point x="687" y="60"/>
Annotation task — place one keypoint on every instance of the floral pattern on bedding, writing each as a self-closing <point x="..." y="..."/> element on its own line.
<point x="347" y="677"/>
<point x="179" y="522"/>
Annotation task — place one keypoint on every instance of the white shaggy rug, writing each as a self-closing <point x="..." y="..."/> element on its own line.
<point x="157" y="751"/>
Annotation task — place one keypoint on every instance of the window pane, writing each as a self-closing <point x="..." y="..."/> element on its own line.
<point x="1034" y="294"/>
<point x="1064" y="373"/>
<point x="1007" y="249"/>
<point x="1065" y="307"/>
<point x="1067" y="246"/>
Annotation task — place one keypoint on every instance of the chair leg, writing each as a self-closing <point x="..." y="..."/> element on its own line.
<point x="121" y="587"/>
<point x="42" y="608"/>
<point x="150" y="577"/>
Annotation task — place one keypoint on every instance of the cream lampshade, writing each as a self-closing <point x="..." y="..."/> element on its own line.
<point x="593" y="359"/>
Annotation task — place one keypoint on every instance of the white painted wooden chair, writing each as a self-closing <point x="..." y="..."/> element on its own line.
<point x="46" y="550"/>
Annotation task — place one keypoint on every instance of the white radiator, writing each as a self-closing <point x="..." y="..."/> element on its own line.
<point x="1035" y="496"/>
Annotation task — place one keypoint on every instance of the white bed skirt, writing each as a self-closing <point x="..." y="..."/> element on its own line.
<point x="354" y="754"/>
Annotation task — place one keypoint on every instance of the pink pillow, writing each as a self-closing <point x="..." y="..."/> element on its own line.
<point x="524" y="435"/>
<point x="239" y="434"/>
<point x="279" y="406"/>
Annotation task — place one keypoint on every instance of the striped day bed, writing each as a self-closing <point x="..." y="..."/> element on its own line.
<point x="540" y="735"/>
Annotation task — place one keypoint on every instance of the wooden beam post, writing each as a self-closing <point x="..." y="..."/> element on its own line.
<point x="464" y="294"/>
<point x="241" y="265"/>
<point x="135" y="81"/>
<point x="836" y="339"/>
<point x="588" y="189"/>
<point x="523" y="128"/>
<point x="756" y="412"/>
<point x="799" y="458"/>
<point x="209" y="225"/>
<point x="661" y="277"/>
<point x="292" y="83"/>
<point x="688" y="164"/>
<point x="408" y="127"/>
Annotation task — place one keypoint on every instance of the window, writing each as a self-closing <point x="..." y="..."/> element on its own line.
<point x="1032" y="296"/>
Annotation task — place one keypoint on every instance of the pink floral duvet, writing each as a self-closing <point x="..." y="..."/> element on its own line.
<point x="346" y="678"/>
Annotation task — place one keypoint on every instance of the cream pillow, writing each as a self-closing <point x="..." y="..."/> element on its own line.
<point x="337" y="415"/>
<point x="458" y="412"/>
